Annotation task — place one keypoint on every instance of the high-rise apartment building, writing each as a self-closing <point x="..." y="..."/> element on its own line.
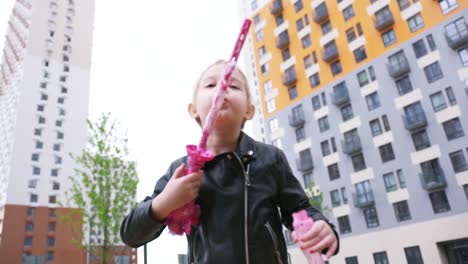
<point x="44" y="90"/>
<point x="366" y="98"/>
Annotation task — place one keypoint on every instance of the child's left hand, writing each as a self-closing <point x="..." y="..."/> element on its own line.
<point x="318" y="238"/>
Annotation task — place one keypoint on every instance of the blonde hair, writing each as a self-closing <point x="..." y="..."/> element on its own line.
<point x="222" y="62"/>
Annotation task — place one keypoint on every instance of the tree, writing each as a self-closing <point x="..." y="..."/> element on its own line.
<point x="316" y="198"/>
<point x="103" y="188"/>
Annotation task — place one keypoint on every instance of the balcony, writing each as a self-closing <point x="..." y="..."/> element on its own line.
<point x="384" y="21"/>
<point x="305" y="165"/>
<point x="398" y="68"/>
<point x="290" y="79"/>
<point x="458" y="37"/>
<point x="276" y="7"/>
<point x="297" y="119"/>
<point x="352" y="146"/>
<point x="433" y="180"/>
<point x="320" y="13"/>
<point x="283" y="40"/>
<point x="415" y="120"/>
<point x="340" y="96"/>
<point x="330" y="53"/>
<point x="365" y="199"/>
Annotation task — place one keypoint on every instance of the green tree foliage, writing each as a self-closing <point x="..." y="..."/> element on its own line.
<point x="316" y="198"/>
<point x="103" y="188"/>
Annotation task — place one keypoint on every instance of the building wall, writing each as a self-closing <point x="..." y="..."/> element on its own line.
<point x="390" y="234"/>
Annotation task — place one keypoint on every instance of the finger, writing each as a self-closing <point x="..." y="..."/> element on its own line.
<point x="293" y="235"/>
<point x="331" y="249"/>
<point x="179" y="172"/>
<point x="313" y="232"/>
<point x="323" y="244"/>
<point x="312" y="242"/>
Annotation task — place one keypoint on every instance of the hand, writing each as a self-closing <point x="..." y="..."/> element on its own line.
<point x="318" y="238"/>
<point x="178" y="192"/>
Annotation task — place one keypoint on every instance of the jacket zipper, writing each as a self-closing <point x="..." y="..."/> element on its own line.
<point x="275" y="242"/>
<point x="246" y="185"/>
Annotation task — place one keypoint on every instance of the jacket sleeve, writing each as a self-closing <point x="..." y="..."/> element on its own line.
<point x="293" y="198"/>
<point x="139" y="227"/>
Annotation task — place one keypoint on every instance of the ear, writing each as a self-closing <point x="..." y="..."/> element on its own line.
<point x="250" y="112"/>
<point x="192" y="111"/>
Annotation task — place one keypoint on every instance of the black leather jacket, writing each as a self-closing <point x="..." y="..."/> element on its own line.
<point x="239" y="197"/>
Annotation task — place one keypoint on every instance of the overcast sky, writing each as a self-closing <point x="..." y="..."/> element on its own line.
<point x="147" y="56"/>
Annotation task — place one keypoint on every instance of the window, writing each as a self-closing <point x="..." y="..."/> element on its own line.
<point x="404" y="85"/>
<point x="314" y="57"/>
<point x="348" y="12"/>
<point x="373" y="101"/>
<point x="267" y="87"/>
<point x="375" y="127"/>
<point x="36" y="170"/>
<point x="52" y="199"/>
<point x="300" y="134"/>
<point x="386" y="152"/>
<point x="285" y="54"/>
<point x="344" y="225"/>
<point x="447" y="5"/>
<point x="351" y="260"/>
<point x="403" y="4"/>
<point x="44" y="97"/>
<point x="298" y="6"/>
<point x="433" y="72"/>
<point x="35" y="157"/>
<point x="402" y="211"/>
<point x="380" y="258"/>
<point x="306" y="41"/>
<point x="465" y="187"/>
<point x="51" y="227"/>
<point x="360" y="54"/>
<point x="401" y="178"/>
<point x="420" y="140"/>
<point x="451" y="96"/>
<point x="316" y="103"/>
<point x="54" y="172"/>
<point x="350" y="34"/>
<point x="431" y="42"/>
<point x="347" y="112"/>
<point x="56" y="147"/>
<point x="305" y="157"/>
<point x="58" y="159"/>
<point x="307" y="62"/>
<point x="453" y="129"/>
<point x="324" y="99"/>
<point x="344" y="195"/>
<point x="55" y="186"/>
<point x="50" y="255"/>
<point x="259" y="35"/>
<point x="41" y="120"/>
<point x="358" y="162"/>
<point x="439" y="202"/>
<point x="257" y="19"/>
<point x="279" y="20"/>
<point x="33" y="198"/>
<point x="28" y="241"/>
<point x="372" y="73"/>
<point x="299" y="24"/>
<point x="336" y="68"/>
<point x="31" y="211"/>
<point x="271" y="105"/>
<point x="359" y="29"/>
<point x="323" y="124"/>
<point x="43" y="85"/>
<point x="415" y="22"/>
<point x="363" y="78"/>
<point x="314" y="80"/>
<point x="413" y="255"/>
<point x="292" y="92"/>
<point x="325" y="147"/>
<point x="273" y="124"/>
<point x="372" y="219"/>
<point x="463" y="54"/>
<point x="50" y="241"/>
<point x="261" y="51"/>
<point x="333" y="171"/>
<point x="388" y="37"/>
<point x="264" y="68"/>
<point x="390" y="183"/>
<point x="326" y="27"/>
<point x="59" y="123"/>
<point x="39" y="144"/>
<point x="458" y="161"/>
<point x="40" y="108"/>
<point x="307" y="179"/>
<point x="438" y="101"/>
<point x="419" y="48"/>
<point x="29" y="227"/>
<point x="335" y="198"/>
<point x="386" y="124"/>
<point x="66" y="68"/>
<point x="61" y="100"/>
<point x="332" y="140"/>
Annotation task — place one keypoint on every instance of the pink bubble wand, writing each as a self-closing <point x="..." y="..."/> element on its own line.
<point x="301" y="224"/>
<point x="180" y="220"/>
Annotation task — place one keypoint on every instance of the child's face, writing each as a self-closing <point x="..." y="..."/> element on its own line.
<point x="236" y="107"/>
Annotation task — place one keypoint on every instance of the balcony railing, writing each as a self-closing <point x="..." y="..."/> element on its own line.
<point x="320" y="13"/>
<point x="276" y="7"/>
<point x="414" y="121"/>
<point x="340" y="97"/>
<point x="457" y="38"/>
<point x="364" y="199"/>
<point x="398" y="68"/>
<point x="297" y="119"/>
<point x="290" y="79"/>
<point x="330" y="53"/>
<point x="433" y="180"/>
<point x="352" y="146"/>
<point x="305" y="164"/>
<point x="384" y="21"/>
<point x="283" y="40"/>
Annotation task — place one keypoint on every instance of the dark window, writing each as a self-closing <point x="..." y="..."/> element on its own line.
<point x="431" y="42"/>
<point x="325" y="146"/>
<point x="447" y="5"/>
<point x="347" y="112"/>
<point x="351" y="260"/>
<point x="372" y="219"/>
<point x="31" y="211"/>
<point x="333" y="172"/>
<point x="335" y="198"/>
<point x="465" y="187"/>
<point x="50" y="255"/>
<point x="375" y="127"/>
<point x="344" y="195"/>
<point x="404" y="85"/>
<point x="380" y="258"/>
<point x="451" y="95"/>
<point x="306" y="41"/>
<point x="307" y="61"/>
<point x="323" y="124"/>
<point x="332" y="140"/>
<point x="350" y="34"/>
<point x="458" y="161"/>
<point x="386" y="124"/>
<point x="463" y="54"/>
<point x="388" y="37"/>
<point x="28" y="241"/>
<point x="326" y="27"/>
<point x="360" y="54"/>
<point x="300" y="134"/>
<point x="40" y="108"/>
<point x="344" y="224"/>
<point x="324" y="99"/>
<point x="420" y="140"/>
<point x="433" y="72"/>
<point x="439" y="202"/>
<point x="453" y="129"/>
<point x="314" y="57"/>
<point x="359" y="29"/>
<point x="285" y="54"/>
<point x="390" y="183"/>
<point x="299" y="24"/>
<point x="51" y="227"/>
<point x="50" y="241"/>
<point x="316" y="103"/>
<point x="415" y="22"/>
<point x="401" y="178"/>
<point x="348" y="12"/>
<point x="314" y="80"/>
<point x="363" y="78"/>
<point x="419" y="48"/>
<point x="358" y="162"/>
<point x="336" y="68"/>
<point x="413" y="255"/>
<point x="372" y="73"/>
<point x="292" y="93"/>
<point x="298" y="6"/>
<point x="35" y="157"/>
<point x="386" y="152"/>
<point x="307" y="179"/>
<point x="402" y="211"/>
<point x="372" y="101"/>
<point x="403" y="4"/>
<point x="438" y="101"/>
<point x="29" y="227"/>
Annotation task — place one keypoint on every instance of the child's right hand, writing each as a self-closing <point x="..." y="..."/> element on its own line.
<point x="178" y="192"/>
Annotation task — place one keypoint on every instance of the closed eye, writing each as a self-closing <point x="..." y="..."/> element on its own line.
<point x="210" y="85"/>
<point x="235" y="87"/>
